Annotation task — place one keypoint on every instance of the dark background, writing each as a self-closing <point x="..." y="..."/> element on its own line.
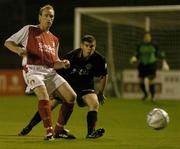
<point x="17" y="13"/>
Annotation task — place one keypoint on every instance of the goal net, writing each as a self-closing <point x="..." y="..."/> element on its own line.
<point x="119" y="29"/>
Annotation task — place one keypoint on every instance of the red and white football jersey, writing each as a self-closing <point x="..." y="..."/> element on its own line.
<point x="42" y="47"/>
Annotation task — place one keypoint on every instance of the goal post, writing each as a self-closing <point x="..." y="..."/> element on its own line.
<point x="119" y="29"/>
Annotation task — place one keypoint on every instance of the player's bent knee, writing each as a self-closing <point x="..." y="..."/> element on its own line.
<point x="94" y="106"/>
<point x="73" y="98"/>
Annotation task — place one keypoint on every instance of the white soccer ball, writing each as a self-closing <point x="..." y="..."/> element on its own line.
<point x="157" y="119"/>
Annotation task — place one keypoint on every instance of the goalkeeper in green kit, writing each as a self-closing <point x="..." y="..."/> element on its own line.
<point x="147" y="57"/>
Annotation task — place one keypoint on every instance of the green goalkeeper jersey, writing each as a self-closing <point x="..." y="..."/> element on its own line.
<point x="148" y="53"/>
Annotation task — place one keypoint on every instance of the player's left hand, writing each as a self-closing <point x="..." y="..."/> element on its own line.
<point x="66" y="63"/>
<point x="101" y="97"/>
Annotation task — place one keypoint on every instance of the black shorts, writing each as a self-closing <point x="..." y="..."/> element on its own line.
<point x="148" y="70"/>
<point x="80" y="101"/>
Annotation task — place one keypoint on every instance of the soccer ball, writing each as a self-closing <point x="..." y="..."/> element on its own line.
<point x="157" y="119"/>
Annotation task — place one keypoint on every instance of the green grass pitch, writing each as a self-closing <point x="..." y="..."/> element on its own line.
<point x="124" y="121"/>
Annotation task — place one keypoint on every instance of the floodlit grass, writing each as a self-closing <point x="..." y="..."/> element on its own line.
<point x="124" y="121"/>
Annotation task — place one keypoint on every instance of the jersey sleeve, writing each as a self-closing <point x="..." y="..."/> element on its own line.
<point x="101" y="69"/>
<point x="21" y="36"/>
<point x="69" y="55"/>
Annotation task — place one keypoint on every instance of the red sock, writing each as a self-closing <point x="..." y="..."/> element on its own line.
<point x="64" y="115"/>
<point x="46" y="115"/>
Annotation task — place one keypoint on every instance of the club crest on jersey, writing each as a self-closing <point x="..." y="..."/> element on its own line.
<point x="79" y="71"/>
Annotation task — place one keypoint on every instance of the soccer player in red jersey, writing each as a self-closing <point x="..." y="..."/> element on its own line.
<point x="38" y="48"/>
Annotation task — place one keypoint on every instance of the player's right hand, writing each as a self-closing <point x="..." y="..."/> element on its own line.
<point x="66" y="63"/>
<point x="133" y="60"/>
<point x="101" y="97"/>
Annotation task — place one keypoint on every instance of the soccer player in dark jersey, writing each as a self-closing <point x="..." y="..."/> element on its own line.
<point x="86" y="64"/>
<point x="147" y="57"/>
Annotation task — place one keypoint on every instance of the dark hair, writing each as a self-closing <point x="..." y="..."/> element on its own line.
<point x="45" y="7"/>
<point x="88" y="38"/>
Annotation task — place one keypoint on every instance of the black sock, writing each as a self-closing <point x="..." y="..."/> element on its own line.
<point x="91" y="121"/>
<point x="143" y="88"/>
<point x="152" y="89"/>
<point x="34" y="121"/>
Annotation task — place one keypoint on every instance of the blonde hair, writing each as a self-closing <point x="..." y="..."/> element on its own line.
<point x="45" y="7"/>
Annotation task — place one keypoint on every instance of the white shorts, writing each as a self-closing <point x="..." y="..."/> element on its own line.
<point x="37" y="75"/>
